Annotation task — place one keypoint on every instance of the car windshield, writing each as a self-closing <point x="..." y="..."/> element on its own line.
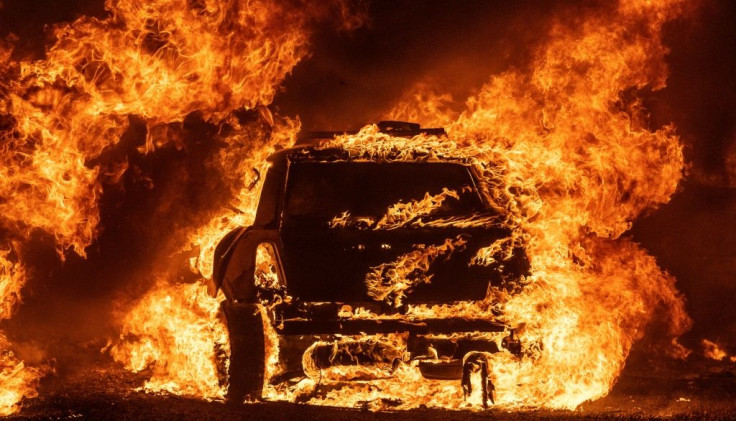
<point x="325" y="190"/>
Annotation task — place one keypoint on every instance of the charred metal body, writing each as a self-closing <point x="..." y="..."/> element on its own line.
<point x="334" y="246"/>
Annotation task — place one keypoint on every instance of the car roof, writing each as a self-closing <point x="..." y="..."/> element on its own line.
<point x="308" y="146"/>
<point x="314" y="153"/>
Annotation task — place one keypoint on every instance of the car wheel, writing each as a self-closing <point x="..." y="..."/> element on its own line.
<point x="247" y="352"/>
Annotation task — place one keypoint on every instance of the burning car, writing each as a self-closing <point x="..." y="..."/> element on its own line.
<point x="344" y="253"/>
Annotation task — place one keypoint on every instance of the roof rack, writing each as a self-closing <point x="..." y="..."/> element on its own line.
<point x="394" y="128"/>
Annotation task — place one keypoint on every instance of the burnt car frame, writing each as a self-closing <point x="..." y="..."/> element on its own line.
<point x="322" y="219"/>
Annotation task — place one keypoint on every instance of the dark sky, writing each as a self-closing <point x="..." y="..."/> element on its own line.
<point x="350" y="79"/>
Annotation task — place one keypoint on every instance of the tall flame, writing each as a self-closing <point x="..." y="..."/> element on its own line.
<point x="564" y="147"/>
<point x="154" y="61"/>
<point x="174" y="331"/>
<point x="568" y="157"/>
<point x="573" y="133"/>
<point x="16" y="380"/>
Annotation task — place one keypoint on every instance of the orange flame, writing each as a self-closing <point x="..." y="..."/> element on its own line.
<point x="16" y="380"/>
<point x="158" y="61"/>
<point x="401" y="213"/>
<point x="175" y="331"/>
<point x="714" y="351"/>
<point x="425" y="104"/>
<point x="389" y="282"/>
<point x="578" y="164"/>
<point x="12" y="279"/>
<point x="564" y="149"/>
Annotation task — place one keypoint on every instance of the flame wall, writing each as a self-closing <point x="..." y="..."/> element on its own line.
<point x="157" y="78"/>
<point x="137" y="115"/>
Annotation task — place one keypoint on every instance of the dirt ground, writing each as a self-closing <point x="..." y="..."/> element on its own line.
<point x="693" y="389"/>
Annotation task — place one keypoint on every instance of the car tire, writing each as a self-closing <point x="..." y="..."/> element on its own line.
<point x="247" y="352"/>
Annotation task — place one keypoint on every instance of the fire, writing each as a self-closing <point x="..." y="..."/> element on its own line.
<point x="363" y="358"/>
<point x="578" y="163"/>
<point x="426" y="104"/>
<point x="156" y="62"/>
<point x="585" y="304"/>
<point x="244" y="163"/>
<point x="16" y="380"/>
<point x="389" y="282"/>
<point x="266" y="274"/>
<point x="410" y="214"/>
<point x="715" y="352"/>
<point x="401" y="213"/>
<point x="12" y="279"/>
<point x="264" y="40"/>
<point x="563" y="147"/>
<point x="175" y="331"/>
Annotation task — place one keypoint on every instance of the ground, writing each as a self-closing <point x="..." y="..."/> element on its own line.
<point x="692" y="389"/>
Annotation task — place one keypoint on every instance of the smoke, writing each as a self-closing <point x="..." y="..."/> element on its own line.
<point x="352" y="81"/>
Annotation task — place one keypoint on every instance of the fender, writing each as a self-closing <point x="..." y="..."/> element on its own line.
<point x="235" y="259"/>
